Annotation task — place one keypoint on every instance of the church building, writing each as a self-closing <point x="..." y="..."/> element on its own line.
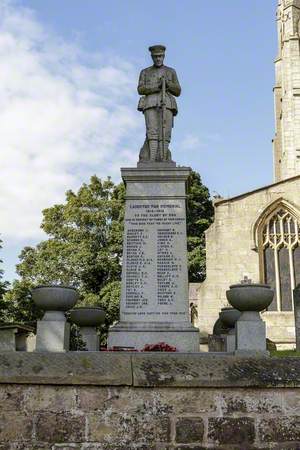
<point x="257" y="234"/>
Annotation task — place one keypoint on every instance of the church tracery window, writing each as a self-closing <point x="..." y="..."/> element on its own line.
<point x="280" y="257"/>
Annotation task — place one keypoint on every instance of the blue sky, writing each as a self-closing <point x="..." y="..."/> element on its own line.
<point x="68" y="76"/>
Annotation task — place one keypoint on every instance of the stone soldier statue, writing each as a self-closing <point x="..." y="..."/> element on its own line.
<point x="158" y="85"/>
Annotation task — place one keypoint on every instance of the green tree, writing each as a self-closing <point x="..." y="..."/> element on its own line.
<point x="84" y="246"/>
<point x="4" y="285"/>
<point x="19" y="304"/>
<point x="109" y="300"/>
<point x="83" y="249"/>
<point x="200" y="213"/>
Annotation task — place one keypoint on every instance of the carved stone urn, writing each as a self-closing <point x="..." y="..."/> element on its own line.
<point x="88" y="319"/>
<point x="229" y="316"/>
<point x="250" y="297"/>
<point x="53" y="331"/>
<point x="87" y="316"/>
<point x="54" y="300"/>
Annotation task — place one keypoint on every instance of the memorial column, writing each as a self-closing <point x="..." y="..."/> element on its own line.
<point x="154" y="300"/>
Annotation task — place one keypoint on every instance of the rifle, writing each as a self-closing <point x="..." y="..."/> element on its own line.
<point x="163" y="119"/>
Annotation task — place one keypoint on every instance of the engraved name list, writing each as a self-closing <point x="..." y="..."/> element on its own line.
<point x="155" y="261"/>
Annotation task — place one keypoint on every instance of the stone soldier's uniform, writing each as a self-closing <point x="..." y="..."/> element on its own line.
<point x="150" y="87"/>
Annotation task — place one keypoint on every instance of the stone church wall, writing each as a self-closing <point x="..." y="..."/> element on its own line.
<point x="231" y="254"/>
<point x="119" y="401"/>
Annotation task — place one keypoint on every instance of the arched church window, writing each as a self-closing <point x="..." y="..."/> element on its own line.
<point x="280" y="256"/>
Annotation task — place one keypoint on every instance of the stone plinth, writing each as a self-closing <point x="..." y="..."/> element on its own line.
<point x="250" y="333"/>
<point x="154" y="300"/>
<point x="91" y="338"/>
<point x="230" y="341"/>
<point x="53" y="333"/>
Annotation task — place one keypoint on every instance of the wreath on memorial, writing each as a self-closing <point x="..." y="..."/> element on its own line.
<point x="159" y="347"/>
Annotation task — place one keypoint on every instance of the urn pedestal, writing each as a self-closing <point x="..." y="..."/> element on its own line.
<point x="88" y="319"/>
<point x="53" y="331"/>
<point x="229" y="317"/>
<point x="250" y="299"/>
<point x="154" y="300"/>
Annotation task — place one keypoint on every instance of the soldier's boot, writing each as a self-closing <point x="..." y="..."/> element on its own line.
<point x="166" y="151"/>
<point x="161" y="151"/>
<point x="153" y="147"/>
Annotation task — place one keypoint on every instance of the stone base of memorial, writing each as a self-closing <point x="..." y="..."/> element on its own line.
<point x="132" y="335"/>
<point x="154" y="300"/>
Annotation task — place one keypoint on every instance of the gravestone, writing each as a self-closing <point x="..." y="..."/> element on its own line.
<point x="297" y="315"/>
<point x="154" y="300"/>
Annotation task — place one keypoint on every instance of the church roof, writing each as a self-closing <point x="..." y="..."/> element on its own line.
<point x="246" y="194"/>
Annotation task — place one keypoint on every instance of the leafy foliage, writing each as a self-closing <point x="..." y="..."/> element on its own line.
<point x="19" y="305"/>
<point x="199" y="216"/>
<point x="4" y="285"/>
<point x="84" y="247"/>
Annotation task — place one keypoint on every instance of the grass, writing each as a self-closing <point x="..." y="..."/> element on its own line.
<point x="284" y="353"/>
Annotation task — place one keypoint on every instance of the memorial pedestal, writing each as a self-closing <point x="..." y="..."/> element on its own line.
<point x="154" y="301"/>
<point x="131" y="334"/>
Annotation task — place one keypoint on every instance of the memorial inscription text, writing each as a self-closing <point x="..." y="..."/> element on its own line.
<point x="154" y="270"/>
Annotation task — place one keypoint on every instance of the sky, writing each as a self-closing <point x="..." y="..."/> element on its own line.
<point x="68" y="76"/>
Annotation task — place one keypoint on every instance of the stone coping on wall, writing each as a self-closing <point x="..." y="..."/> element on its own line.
<point x="148" y="369"/>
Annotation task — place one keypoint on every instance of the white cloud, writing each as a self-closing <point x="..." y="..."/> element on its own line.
<point x="194" y="142"/>
<point x="64" y="115"/>
<point x="190" y="142"/>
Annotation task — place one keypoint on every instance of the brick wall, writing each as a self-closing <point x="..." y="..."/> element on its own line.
<point x="85" y="417"/>
<point x="149" y="402"/>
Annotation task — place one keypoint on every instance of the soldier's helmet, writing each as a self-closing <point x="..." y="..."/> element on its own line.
<point x="157" y="49"/>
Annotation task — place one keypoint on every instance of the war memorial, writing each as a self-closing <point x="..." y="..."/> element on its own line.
<point x="237" y="396"/>
<point x="154" y="300"/>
